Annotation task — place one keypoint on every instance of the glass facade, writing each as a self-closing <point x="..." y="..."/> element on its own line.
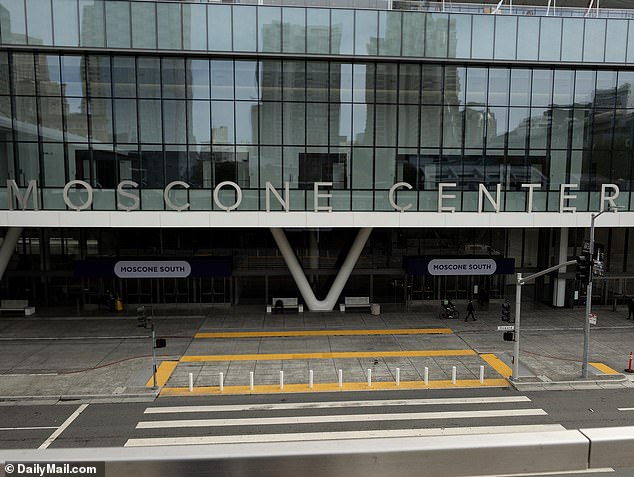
<point x="361" y="125"/>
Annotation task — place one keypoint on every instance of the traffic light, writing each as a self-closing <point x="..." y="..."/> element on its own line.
<point x="584" y="266"/>
<point x="506" y="312"/>
<point x="509" y="336"/>
<point x="141" y="317"/>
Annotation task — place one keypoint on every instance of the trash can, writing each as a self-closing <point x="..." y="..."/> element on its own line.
<point x="375" y="309"/>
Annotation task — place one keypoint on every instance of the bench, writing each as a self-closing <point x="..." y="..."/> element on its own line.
<point x="286" y="303"/>
<point x="17" y="305"/>
<point x="355" y="302"/>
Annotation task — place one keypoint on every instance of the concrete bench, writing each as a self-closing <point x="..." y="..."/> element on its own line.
<point x="355" y="302"/>
<point x="17" y="305"/>
<point x="286" y="303"/>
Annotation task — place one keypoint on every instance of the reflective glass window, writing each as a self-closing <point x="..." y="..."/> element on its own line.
<point x="386" y="161"/>
<point x="13" y="29"/>
<point x="244" y="28"/>
<point x="124" y="77"/>
<point x="152" y="166"/>
<point x="340" y="82"/>
<point x="98" y="74"/>
<point x="246" y="122"/>
<point x="362" y="82"/>
<point x="365" y="32"/>
<point x="452" y="126"/>
<point x="630" y="45"/>
<point x="413" y="34"/>
<point x="430" y="126"/>
<point x="409" y="83"/>
<point x="482" y="44"/>
<point x="584" y="87"/>
<point x="91" y="23"/>
<point x="194" y="27"/>
<point x="362" y="165"/>
<point x="149" y="77"/>
<point x="341" y="32"/>
<point x="340" y="124"/>
<point x="294" y="80"/>
<point x="563" y="87"/>
<point x="222" y="80"/>
<point x="173" y="75"/>
<point x="363" y="124"/>
<point x="539" y="127"/>
<point x="4" y="73"/>
<point x="615" y="46"/>
<point x="23" y="73"/>
<point x="29" y="169"/>
<point x="174" y="121"/>
<point x="625" y="89"/>
<point x="527" y="38"/>
<point x="460" y="36"/>
<point x="475" y="126"/>
<point x="143" y="24"/>
<point x="432" y="84"/>
<point x="38" y="22"/>
<point x="560" y="119"/>
<point x="65" y="22"/>
<point x="222" y="129"/>
<point x="246" y="77"/>
<point x="386" y="82"/>
<point x="176" y="169"/>
<point x="436" y="33"/>
<point x="199" y="124"/>
<point x="150" y="124"/>
<point x="580" y="127"/>
<point x="72" y="76"/>
<point x="594" y="39"/>
<point x="125" y="120"/>
<point x="271" y="166"/>
<point x="269" y="29"/>
<point x="408" y="126"/>
<point x="541" y="93"/>
<point x="317" y="124"/>
<point x="386" y="119"/>
<point x="170" y="35"/>
<point x="53" y="165"/>
<point x="47" y="69"/>
<point x="389" y="33"/>
<point x="294" y="121"/>
<point x="518" y="122"/>
<point x="100" y="114"/>
<point x="293" y="30"/>
<point x="219" y="18"/>
<point x="520" y="87"/>
<point x="317" y="30"/>
<point x="118" y="24"/>
<point x="51" y="119"/>
<point x="476" y="86"/>
<point x="497" y="127"/>
<point x="198" y="83"/>
<point x="270" y="80"/>
<point x="498" y="94"/>
<point x="571" y="44"/>
<point x="455" y="82"/>
<point x="317" y="77"/>
<point x="550" y="39"/>
<point x="505" y="31"/>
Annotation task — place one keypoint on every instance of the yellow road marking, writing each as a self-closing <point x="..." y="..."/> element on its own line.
<point x="163" y="373"/>
<point x="348" y="354"/>
<point x="329" y="387"/>
<point x="262" y="334"/>
<point x="497" y="364"/>
<point x="604" y="368"/>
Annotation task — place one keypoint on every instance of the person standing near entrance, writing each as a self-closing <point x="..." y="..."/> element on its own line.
<point x="470" y="311"/>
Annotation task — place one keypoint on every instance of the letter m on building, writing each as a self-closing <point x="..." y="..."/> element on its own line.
<point x="13" y="193"/>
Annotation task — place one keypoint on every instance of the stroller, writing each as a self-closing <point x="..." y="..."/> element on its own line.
<point x="448" y="310"/>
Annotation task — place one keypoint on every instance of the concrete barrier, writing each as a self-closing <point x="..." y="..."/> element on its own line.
<point x="611" y="446"/>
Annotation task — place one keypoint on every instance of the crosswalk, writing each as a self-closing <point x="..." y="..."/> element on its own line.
<point x="333" y="420"/>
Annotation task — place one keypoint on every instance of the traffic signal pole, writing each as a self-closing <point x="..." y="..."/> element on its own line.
<point x="518" y="301"/>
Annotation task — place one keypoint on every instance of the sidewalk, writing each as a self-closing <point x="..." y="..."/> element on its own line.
<point x="108" y="357"/>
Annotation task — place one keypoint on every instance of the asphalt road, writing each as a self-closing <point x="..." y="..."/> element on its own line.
<point x="128" y="423"/>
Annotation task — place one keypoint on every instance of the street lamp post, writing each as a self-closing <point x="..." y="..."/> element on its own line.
<point x="586" y="321"/>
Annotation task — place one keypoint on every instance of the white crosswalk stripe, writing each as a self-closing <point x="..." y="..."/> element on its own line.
<point x="307" y="414"/>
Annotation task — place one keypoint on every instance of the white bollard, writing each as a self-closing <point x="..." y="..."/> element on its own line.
<point x="222" y="382"/>
<point x="398" y="376"/>
<point x="369" y="377"/>
<point x="481" y="374"/>
<point x="426" y="376"/>
<point x="340" y="373"/>
<point x="191" y="382"/>
<point x="310" y="379"/>
<point x="281" y="380"/>
<point x="251" y="380"/>
<point x="453" y="375"/>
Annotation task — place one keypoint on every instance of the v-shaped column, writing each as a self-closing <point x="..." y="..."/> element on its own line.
<point x="328" y="303"/>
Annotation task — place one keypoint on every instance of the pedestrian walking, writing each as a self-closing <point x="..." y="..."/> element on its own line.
<point x="630" y="306"/>
<point x="470" y="311"/>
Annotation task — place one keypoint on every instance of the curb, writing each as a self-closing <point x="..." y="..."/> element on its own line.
<point x="545" y="385"/>
<point x="78" y="397"/>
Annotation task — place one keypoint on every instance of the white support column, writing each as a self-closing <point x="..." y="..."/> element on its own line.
<point x="8" y="246"/>
<point x="559" y="291"/>
<point x="295" y="268"/>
